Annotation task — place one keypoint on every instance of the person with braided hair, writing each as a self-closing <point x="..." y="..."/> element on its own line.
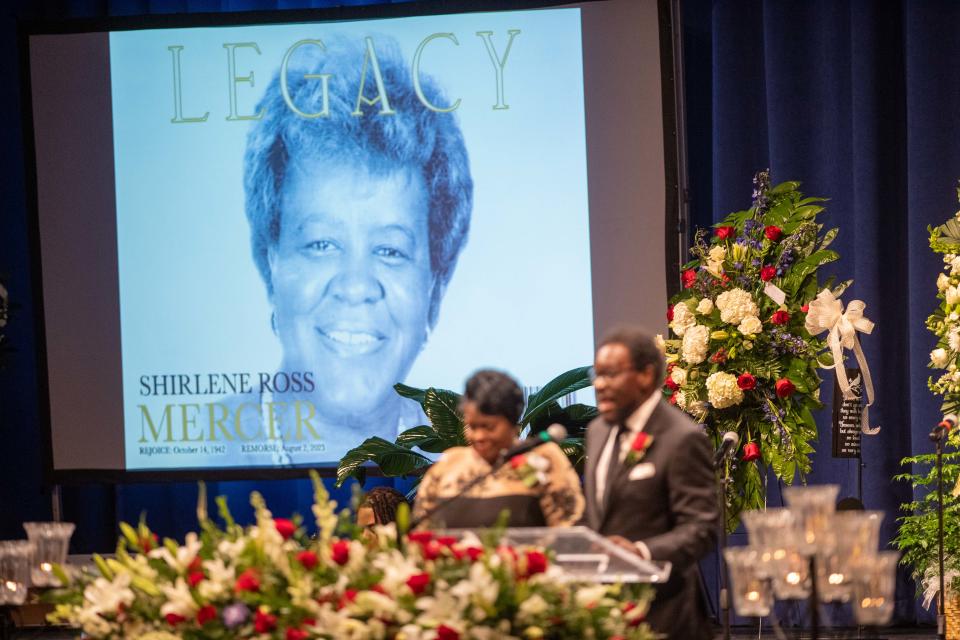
<point x="379" y="506"/>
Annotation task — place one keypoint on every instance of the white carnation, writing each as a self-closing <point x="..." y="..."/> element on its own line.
<point x="705" y="306"/>
<point x="681" y="399"/>
<point x="955" y="265"/>
<point x="722" y="390"/>
<point x="679" y="376"/>
<point x="943" y="282"/>
<point x="735" y="305"/>
<point x="683" y="318"/>
<point x="750" y="325"/>
<point x="695" y="343"/>
<point x="954" y="340"/>
<point x="939" y="358"/>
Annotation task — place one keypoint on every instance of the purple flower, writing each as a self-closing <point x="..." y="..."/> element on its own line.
<point x="235" y="615"/>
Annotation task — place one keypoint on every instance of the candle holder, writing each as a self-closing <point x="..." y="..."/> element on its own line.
<point x="15" y="559"/>
<point x="752" y="594"/>
<point x="51" y="540"/>
<point x="874" y="584"/>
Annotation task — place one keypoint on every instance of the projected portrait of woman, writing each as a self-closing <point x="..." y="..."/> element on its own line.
<point x="358" y="196"/>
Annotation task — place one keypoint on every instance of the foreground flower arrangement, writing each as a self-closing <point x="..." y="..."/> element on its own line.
<point x="270" y="580"/>
<point x="741" y="357"/>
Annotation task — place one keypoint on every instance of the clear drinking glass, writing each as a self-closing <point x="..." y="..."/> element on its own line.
<point x="752" y="594"/>
<point x="15" y="558"/>
<point x="51" y="541"/>
<point x="874" y="582"/>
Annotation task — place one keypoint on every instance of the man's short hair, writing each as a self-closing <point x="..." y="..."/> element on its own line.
<point x="415" y="138"/>
<point x="642" y="347"/>
<point x="495" y="394"/>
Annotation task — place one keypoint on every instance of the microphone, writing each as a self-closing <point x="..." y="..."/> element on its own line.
<point x="553" y="433"/>
<point x="943" y="428"/>
<point x="727" y="446"/>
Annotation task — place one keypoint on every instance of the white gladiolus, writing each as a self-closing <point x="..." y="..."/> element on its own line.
<point x="179" y="600"/>
<point x="185" y="554"/>
<point x="750" y="326"/>
<point x="722" y="390"/>
<point x="943" y="282"/>
<point x="953" y="339"/>
<point x="715" y="268"/>
<point x="955" y="265"/>
<point x="939" y="357"/>
<point x="695" y="344"/>
<point x="705" y="306"/>
<point x="735" y="305"/>
<point x="952" y="295"/>
<point x="106" y="596"/>
<point x="683" y="319"/>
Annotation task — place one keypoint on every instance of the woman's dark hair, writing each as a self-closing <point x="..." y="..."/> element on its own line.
<point x="495" y="394"/>
<point x="384" y="502"/>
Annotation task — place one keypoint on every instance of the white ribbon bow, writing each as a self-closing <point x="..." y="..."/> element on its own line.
<point x="825" y="313"/>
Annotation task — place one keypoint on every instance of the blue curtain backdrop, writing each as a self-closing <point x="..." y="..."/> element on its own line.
<point x="856" y="99"/>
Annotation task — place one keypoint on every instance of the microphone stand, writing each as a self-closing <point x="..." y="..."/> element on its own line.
<point x="938" y="437"/>
<point x="724" y="595"/>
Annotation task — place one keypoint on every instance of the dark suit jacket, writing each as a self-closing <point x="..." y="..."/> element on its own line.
<point x="675" y="511"/>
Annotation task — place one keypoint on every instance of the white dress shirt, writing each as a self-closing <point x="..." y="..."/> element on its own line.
<point x="634" y="424"/>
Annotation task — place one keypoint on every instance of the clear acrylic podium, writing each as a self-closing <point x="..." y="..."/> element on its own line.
<point x="584" y="555"/>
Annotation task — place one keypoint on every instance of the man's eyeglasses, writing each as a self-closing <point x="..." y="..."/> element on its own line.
<point x="607" y="376"/>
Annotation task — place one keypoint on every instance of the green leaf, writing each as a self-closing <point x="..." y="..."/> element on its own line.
<point x="564" y="384"/>
<point x="443" y="409"/>
<point x="393" y="460"/>
<point x="575" y="418"/>
<point x="828" y="238"/>
<point x="784" y="188"/>
<point x="425" y="437"/>
<point x="411" y="392"/>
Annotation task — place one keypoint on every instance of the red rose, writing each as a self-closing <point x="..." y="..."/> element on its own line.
<point x="784" y="388"/>
<point x="196" y="564"/>
<point x="264" y="622"/>
<point x="147" y="543"/>
<point x="724" y="232"/>
<point x="780" y="317"/>
<point x="350" y="595"/>
<point x="673" y="398"/>
<point x="308" y="559"/>
<point x="378" y="588"/>
<point x="431" y="550"/>
<point x="247" y="581"/>
<point x="746" y="381"/>
<point x="340" y="552"/>
<point x="285" y="527"/>
<point x="536" y="562"/>
<point x="195" y="578"/>
<point x="751" y="451"/>
<point x="475" y="553"/>
<point x="206" y="613"/>
<point x="446" y="633"/>
<point x="640" y="442"/>
<point x="174" y="618"/>
<point x="418" y="582"/>
<point x="297" y="634"/>
<point x="670" y="313"/>
<point x="517" y="461"/>
<point x="768" y="273"/>
<point x="420" y="536"/>
<point x="310" y="622"/>
<point x="636" y="621"/>
<point x="720" y="356"/>
<point x="671" y="384"/>
<point x="772" y="232"/>
<point x="689" y="277"/>
<point x="447" y="541"/>
<point x="805" y="308"/>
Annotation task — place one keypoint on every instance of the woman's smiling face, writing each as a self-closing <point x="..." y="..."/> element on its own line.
<point x="351" y="282"/>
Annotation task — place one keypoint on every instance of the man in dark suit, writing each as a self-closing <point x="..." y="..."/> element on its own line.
<point x="660" y="501"/>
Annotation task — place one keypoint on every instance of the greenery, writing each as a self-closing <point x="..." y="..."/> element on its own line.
<point x="446" y="428"/>
<point x="740" y="360"/>
<point x="918" y="533"/>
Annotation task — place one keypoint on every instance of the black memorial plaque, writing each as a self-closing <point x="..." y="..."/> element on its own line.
<point x="846" y="417"/>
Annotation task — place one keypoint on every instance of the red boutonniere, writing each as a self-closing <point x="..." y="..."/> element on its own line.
<point x="638" y="448"/>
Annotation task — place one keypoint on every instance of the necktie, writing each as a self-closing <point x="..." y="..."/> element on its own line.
<point x="614" y="464"/>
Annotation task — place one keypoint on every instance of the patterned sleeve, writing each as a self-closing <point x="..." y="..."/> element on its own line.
<point x="562" y="502"/>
